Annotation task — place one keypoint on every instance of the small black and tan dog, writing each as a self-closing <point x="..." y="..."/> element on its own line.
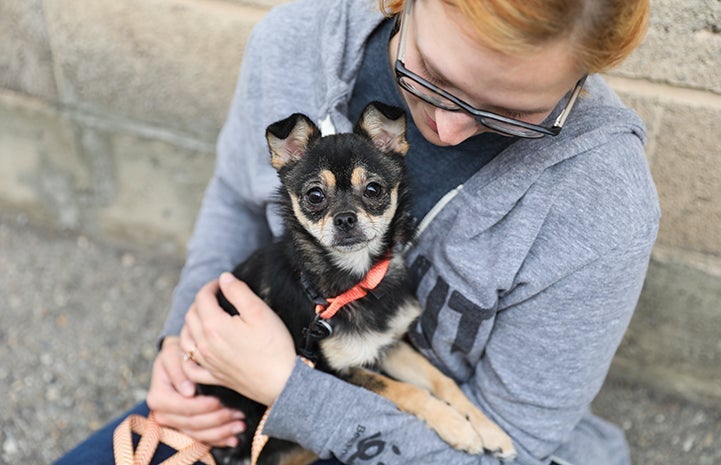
<point x="345" y="209"/>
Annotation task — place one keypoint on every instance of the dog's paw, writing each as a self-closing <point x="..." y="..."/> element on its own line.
<point x="457" y="431"/>
<point x="495" y="440"/>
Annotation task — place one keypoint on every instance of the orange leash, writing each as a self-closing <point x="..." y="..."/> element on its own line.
<point x="151" y="434"/>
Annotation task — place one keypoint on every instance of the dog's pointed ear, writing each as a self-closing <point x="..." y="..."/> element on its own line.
<point x="385" y="125"/>
<point x="289" y="139"/>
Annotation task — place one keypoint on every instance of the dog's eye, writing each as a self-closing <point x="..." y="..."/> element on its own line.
<point x="315" y="196"/>
<point x="373" y="190"/>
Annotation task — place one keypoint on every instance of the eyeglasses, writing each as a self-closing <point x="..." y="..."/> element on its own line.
<point x="430" y="93"/>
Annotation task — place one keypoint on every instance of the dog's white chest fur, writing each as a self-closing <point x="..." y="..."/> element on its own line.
<point x="347" y="350"/>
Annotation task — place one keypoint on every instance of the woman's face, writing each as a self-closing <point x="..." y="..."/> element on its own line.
<point x="440" y="46"/>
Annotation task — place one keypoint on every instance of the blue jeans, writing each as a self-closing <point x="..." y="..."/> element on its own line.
<point x="97" y="449"/>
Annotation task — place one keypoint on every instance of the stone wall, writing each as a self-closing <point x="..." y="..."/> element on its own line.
<point x="109" y="112"/>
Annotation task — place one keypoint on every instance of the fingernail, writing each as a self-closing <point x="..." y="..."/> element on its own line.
<point x="238" y="428"/>
<point x="187" y="389"/>
<point x="238" y="415"/>
<point x="226" y="278"/>
<point x="232" y="442"/>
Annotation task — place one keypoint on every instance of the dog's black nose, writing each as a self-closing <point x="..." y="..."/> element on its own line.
<point x="345" y="221"/>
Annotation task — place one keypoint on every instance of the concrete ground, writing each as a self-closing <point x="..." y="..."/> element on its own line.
<point x="78" y="322"/>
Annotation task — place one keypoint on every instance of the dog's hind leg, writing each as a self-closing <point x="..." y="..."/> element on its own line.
<point x="404" y="363"/>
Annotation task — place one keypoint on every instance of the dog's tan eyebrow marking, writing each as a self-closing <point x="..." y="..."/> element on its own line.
<point x="359" y="176"/>
<point x="328" y="178"/>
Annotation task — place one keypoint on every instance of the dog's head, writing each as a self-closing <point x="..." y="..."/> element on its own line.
<point x="344" y="189"/>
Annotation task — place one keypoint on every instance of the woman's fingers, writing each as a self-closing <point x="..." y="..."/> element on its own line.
<point x="198" y="373"/>
<point x="218" y="427"/>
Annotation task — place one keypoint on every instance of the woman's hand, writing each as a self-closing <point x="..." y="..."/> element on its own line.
<point x="172" y="399"/>
<point x="252" y="353"/>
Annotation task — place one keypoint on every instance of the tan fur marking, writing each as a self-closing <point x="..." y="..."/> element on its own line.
<point x="328" y="178"/>
<point x="316" y="229"/>
<point x="299" y="212"/>
<point x="358" y="177"/>
<point x="387" y="216"/>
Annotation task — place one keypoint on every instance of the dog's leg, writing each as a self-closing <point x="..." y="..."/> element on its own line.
<point x="297" y="456"/>
<point x="447" y="422"/>
<point x="402" y="362"/>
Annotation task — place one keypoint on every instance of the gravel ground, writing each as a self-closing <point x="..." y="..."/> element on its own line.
<point x="78" y="326"/>
<point x="77" y="336"/>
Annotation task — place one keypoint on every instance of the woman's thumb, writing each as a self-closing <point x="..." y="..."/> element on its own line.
<point x="239" y="295"/>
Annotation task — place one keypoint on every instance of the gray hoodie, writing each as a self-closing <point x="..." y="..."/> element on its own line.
<point x="528" y="273"/>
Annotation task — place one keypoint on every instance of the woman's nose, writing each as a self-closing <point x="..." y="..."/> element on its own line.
<point x="455" y="126"/>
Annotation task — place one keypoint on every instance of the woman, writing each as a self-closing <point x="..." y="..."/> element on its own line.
<point x="539" y="215"/>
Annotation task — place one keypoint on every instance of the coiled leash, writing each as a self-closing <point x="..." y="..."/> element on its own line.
<point x="318" y="329"/>
<point x="151" y="434"/>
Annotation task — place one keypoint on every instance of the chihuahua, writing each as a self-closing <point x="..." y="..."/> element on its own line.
<point x="338" y="281"/>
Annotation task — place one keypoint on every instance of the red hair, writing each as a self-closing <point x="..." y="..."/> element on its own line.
<point x="601" y="33"/>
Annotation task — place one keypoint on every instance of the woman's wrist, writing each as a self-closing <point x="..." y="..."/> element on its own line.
<point x="276" y="382"/>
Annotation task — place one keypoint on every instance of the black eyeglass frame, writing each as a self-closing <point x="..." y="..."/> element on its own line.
<point x="537" y="131"/>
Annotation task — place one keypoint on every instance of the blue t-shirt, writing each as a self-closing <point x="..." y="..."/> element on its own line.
<point x="432" y="170"/>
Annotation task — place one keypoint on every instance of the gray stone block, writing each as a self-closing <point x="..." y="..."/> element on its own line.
<point x="25" y="57"/>
<point x="687" y="171"/>
<point x="167" y="63"/>
<point x="38" y="154"/>
<point x="159" y="189"/>
<point x="83" y="175"/>
<point x="683" y="45"/>
<point x="673" y="341"/>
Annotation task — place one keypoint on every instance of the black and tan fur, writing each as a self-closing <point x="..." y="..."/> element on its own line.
<point x="345" y="207"/>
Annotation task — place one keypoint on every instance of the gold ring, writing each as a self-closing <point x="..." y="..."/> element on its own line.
<point x="188" y="355"/>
